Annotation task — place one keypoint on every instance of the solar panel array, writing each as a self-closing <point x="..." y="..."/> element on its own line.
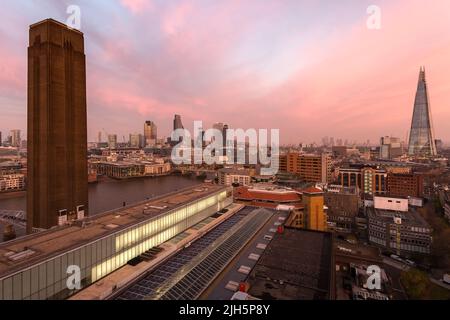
<point x="196" y="280"/>
<point x="155" y="279"/>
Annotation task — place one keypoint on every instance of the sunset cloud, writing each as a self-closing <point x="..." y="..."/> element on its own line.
<point x="137" y="6"/>
<point x="310" y="68"/>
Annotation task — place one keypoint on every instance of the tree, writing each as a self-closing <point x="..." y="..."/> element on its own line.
<point x="415" y="283"/>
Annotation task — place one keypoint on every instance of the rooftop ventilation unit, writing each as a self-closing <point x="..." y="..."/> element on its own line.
<point x="20" y="255"/>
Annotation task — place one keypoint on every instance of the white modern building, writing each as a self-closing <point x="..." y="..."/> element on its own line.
<point x="38" y="266"/>
<point x="229" y="176"/>
<point x="388" y="203"/>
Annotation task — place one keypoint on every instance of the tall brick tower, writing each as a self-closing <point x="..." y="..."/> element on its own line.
<point x="57" y="130"/>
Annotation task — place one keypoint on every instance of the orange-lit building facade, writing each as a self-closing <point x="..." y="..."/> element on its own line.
<point x="405" y="185"/>
<point x="307" y="207"/>
<point x="315" y="215"/>
<point x="309" y="167"/>
<point x="366" y="179"/>
<point x="268" y="198"/>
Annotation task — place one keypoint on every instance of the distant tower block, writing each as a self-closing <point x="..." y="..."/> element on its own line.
<point x="177" y="124"/>
<point x="421" y="137"/>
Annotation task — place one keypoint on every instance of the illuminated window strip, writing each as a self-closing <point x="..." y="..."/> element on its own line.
<point x="103" y="269"/>
<point x="163" y="222"/>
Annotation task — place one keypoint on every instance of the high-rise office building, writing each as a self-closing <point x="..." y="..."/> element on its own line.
<point x="136" y="140"/>
<point x="112" y="141"/>
<point x="150" y="133"/>
<point x="421" y="137"/>
<point x="57" y="130"/>
<point x="218" y="126"/>
<point x="226" y="142"/>
<point x="15" y="138"/>
<point x="390" y="148"/>
<point x="177" y="124"/>
<point x="1" y="142"/>
<point x="309" y="167"/>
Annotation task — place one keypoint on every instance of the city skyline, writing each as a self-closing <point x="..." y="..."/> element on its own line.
<point x="293" y="86"/>
<point x="187" y="200"/>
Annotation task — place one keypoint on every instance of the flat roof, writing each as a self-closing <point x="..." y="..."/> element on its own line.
<point x="411" y="217"/>
<point x="296" y="265"/>
<point x="233" y="171"/>
<point x="60" y="239"/>
<point x="278" y="195"/>
<point x="50" y="20"/>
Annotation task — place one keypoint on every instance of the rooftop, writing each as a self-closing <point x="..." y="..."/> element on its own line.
<point x="242" y="172"/>
<point x="312" y="190"/>
<point x="296" y="265"/>
<point x="411" y="217"/>
<point x="54" y="22"/>
<point x="276" y="195"/>
<point x="43" y="245"/>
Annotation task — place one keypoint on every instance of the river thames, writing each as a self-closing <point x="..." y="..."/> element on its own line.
<point x="109" y="194"/>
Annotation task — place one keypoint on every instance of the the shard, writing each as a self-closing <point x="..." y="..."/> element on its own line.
<point x="421" y="137"/>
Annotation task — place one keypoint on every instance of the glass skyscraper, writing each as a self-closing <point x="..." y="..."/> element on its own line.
<point x="421" y="137"/>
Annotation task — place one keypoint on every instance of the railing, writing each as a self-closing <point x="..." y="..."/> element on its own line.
<point x="17" y="218"/>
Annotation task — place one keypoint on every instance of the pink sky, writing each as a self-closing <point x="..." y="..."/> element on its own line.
<point x="309" y="68"/>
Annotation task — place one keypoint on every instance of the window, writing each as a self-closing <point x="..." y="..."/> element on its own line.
<point x="42" y="280"/>
<point x="17" y="286"/>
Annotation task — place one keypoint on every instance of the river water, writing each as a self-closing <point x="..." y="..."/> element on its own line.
<point x="109" y="194"/>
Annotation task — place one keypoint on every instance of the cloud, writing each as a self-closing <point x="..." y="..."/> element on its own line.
<point x="310" y="68"/>
<point x="137" y="6"/>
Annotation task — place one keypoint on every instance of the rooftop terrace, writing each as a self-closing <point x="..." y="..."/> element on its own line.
<point x="296" y="265"/>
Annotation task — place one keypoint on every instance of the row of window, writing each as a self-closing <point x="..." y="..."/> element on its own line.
<point x="120" y="259"/>
<point x="412" y="248"/>
<point x="147" y="229"/>
<point x="48" y="279"/>
<point x="412" y="241"/>
<point x="377" y="240"/>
